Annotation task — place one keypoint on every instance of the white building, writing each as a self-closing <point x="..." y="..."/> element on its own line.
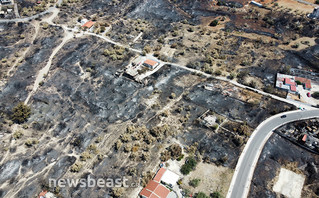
<point x="314" y="14"/>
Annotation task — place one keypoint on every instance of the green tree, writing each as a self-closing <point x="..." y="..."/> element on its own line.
<point x="189" y="165"/>
<point x="21" y="113"/>
<point x="194" y="182"/>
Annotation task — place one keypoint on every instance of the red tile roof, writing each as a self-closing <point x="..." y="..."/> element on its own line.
<point x="150" y="62"/>
<point x="146" y="192"/>
<point x="159" y="174"/>
<point x="154" y="196"/>
<point x="152" y="185"/>
<point x="88" y="24"/>
<point x="304" y="138"/>
<point x="162" y="191"/>
<point x="154" y="190"/>
<point x="308" y="85"/>
<point x="293" y="88"/>
<point x="289" y="82"/>
<point x="43" y="193"/>
<point x="302" y="80"/>
<point x="305" y="81"/>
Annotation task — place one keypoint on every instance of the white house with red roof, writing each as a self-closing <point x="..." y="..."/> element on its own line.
<point x="290" y="83"/>
<point x="156" y="188"/>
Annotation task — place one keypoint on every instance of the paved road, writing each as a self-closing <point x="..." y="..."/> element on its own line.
<point x="50" y="9"/>
<point x="27" y="18"/>
<point x="293" y="102"/>
<point x="307" y="3"/>
<point x="239" y="187"/>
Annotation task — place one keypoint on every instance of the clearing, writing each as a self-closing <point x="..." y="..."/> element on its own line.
<point x="289" y="183"/>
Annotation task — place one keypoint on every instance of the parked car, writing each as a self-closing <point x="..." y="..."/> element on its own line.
<point x="283" y="116"/>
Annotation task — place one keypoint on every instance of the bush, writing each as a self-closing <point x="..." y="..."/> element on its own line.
<point x="76" y="167"/>
<point x="189" y="165"/>
<point x="102" y="28"/>
<point x="21" y="113"/>
<point x="45" y="26"/>
<point x="201" y="195"/>
<point x="315" y="95"/>
<point x="31" y="142"/>
<point x="214" y="127"/>
<point x="298" y="82"/>
<point x="147" y="49"/>
<point x="190" y="29"/>
<point x="194" y="182"/>
<point x="85" y="156"/>
<point x="187" y="192"/>
<point x="174" y="45"/>
<point x="295" y="45"/>
<point x="172" y="152"/>
<point x="232" y="76"/>
<point x="117" y="192"/>
<point x="172" y="96"/>
<point x="17" y="135"/>
<point x="180" y="157"/>
<point x="214" y="23"/>
<point x="176" y="150"/>
<point x="216" y="195"/>
<point x="218" y="73"/>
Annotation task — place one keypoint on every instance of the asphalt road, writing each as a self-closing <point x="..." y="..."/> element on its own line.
<point x="239" y="187"/>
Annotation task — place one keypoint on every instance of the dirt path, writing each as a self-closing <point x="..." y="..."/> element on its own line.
<point x="45" y="70"/>
<point x="23" y="182"/>
<point x="49" y="20"/>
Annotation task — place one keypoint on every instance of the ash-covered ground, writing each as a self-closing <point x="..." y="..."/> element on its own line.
<point x="88" y="121"/>
<point x="82" y="103"/>
<point x="277" y="153"/>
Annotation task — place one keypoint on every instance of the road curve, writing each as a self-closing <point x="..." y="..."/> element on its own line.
<point x="240" y="184"/>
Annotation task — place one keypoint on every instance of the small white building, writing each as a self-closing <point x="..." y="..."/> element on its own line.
<point x="314" y="14"/>
<point x="170" y="178"/>
<point x="83" y="21"/>
<point x="5" y="1"/>
<point x="89" y="26"/>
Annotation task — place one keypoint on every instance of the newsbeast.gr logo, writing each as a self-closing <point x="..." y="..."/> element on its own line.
<point x="92" y="182"/>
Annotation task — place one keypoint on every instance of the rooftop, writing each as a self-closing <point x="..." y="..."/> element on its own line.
<point x="159" y="174"/>
<point x="293" y="88"/>
<point x="42" y="194"/>
<point x="170" y="178"/>
<point x="88" y="24"/>
<point x="155" y="190"/>
<point x="288" y="81"/>
<point x="150" y="62"/>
